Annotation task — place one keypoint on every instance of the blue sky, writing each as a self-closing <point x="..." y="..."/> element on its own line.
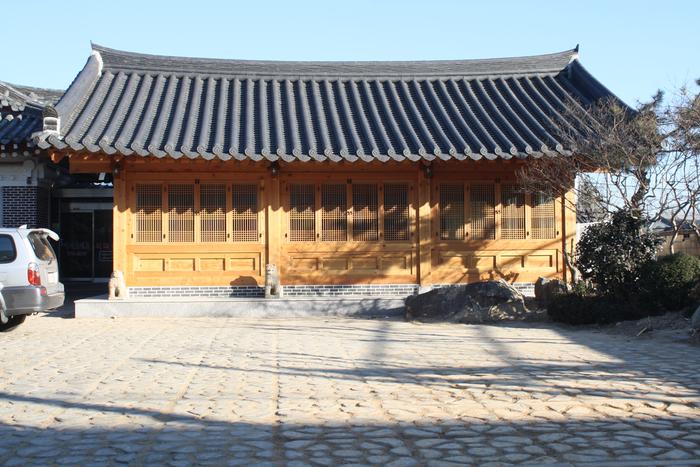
<point x="633" y="47"/>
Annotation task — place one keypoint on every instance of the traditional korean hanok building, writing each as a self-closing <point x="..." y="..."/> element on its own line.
<point x="353" y="178"/>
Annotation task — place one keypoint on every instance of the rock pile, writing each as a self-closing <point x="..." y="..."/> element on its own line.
<point x="477" y="303"/>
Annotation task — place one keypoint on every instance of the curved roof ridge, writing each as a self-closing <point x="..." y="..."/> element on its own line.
<point x="524" y="65"/>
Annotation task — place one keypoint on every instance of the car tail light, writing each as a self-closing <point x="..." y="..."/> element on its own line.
<point x="33" y="274"/>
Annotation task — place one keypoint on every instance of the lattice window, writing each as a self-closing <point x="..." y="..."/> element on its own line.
<point x="365" y="225"/>
<point x="302" y="215"/>
<point x="543" y="220"/>
<point x="334" y="212"/>
<point x="181" y="213"/>
<point x="245" y="212"/>
<point x="483" y="211"/>
<point x="396" y="218"/>
<point x="452" y="211"/>
<point x="212" y="214"/>
<point x="149" y="213"/>
<point x="512" y="212"/>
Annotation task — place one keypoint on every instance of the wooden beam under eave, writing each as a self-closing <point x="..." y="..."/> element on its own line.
<point x="56" y="157"/>
<point x="82" y="165"/>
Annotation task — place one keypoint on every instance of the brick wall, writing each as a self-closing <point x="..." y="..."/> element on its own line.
<point x="203" y="291"/>
<point x="25" y="205"/>
<point x="358" y="290"/>
<point x="355" y="290"/>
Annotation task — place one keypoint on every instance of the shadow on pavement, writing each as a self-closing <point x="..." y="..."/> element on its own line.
<point x="88" y="432"/>
<point x="76" y="291"/>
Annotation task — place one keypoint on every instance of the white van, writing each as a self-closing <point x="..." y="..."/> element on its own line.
<point x="28" y="274"/>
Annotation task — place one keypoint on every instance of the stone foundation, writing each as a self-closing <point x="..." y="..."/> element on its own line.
<point x="243" y="291"/>
<point x="252" y="291"/>
<point x="354" y="290"/>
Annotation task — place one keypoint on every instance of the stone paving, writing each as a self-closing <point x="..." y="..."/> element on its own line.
<point x="334" y="391"/>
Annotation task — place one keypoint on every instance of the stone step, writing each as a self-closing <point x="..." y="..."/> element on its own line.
<point x="364" y="307"/>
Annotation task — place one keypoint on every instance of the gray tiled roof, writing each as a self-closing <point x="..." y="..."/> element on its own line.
<point x="16" y="96"/>
<point x="135" y="104"/>
<point x="665" y="224"/>
<point x="21" y="113"/>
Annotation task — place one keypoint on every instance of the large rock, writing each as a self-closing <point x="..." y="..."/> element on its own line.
<point x="694" y="293"/>
<point x="695" y="320"/>
<point x="546" y="290"/>
<point x="481" y="302"/>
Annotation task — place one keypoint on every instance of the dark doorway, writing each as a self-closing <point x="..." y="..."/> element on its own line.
<point x="76" y="245"/>
<point x="86" y="241"/>
<point x="102" y="228"/>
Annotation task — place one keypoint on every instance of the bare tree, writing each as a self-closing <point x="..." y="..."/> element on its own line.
<point x="643" y="160"/>
<point x="684" y="139"/>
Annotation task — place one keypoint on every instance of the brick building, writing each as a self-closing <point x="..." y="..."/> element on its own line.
<point x="26" y="173"/>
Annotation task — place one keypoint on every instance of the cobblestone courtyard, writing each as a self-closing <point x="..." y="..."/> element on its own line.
<point x="328" y="392"/>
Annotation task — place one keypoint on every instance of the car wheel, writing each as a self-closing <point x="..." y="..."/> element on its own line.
<point x="12" y="323"/>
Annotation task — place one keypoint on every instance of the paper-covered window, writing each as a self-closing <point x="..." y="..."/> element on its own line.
<point x="334" y="209"/>
<point x="396" y="212"/>
<point x="245" y="212"/>
<point x="452" y="211"/>
<point x="181" y="213"/>
<point x="302" y="214"/>
<point x="483" y="211"/>
<point x="543" y="220"/>
<point x="365" y="201"/>
<point x="212" y="213"/>
<point x="512" y="212"/>
<point x="149" y="213"/>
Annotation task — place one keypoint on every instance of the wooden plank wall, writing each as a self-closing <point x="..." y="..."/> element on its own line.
<point x="424" y="258"/>
<point x="469" y="260"/>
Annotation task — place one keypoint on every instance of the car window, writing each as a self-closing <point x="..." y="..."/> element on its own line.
<point x="41" y="246"/>
<point x="8" y="252"/>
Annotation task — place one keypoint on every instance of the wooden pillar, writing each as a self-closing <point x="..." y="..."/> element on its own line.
<point x="273" y="239"/>
<point x="120" y="231"/>
<point x="568" y="231"/>
<point x="424" y="230"/>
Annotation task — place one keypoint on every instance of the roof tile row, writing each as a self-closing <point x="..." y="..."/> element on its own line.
<point x="134" y="104"/>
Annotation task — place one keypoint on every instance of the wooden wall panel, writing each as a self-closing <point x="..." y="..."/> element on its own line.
<point x="422" y="258"/>
<point x="511" y="265"/>
<point x="202" y="261"/>
<point x="337" y="263"/>
<point x="217" y="266"/>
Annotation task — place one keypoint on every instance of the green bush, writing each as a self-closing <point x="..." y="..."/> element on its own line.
<point x="612" y="253"/>
<point x="576" y="308"/>
<point x="668" y="281"/>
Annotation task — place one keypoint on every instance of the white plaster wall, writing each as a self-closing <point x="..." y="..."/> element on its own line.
<point x="18" y="173"/>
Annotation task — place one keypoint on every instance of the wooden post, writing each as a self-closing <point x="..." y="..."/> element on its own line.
<point x="196" y="215"/>
<point x="568" y="231"/>
<point x="273" y="232"/>
<point x="528" y="215"/>
<point x="498" y="209"/>
<point x="120" y="234"/>
<point x="424" y="231"/>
